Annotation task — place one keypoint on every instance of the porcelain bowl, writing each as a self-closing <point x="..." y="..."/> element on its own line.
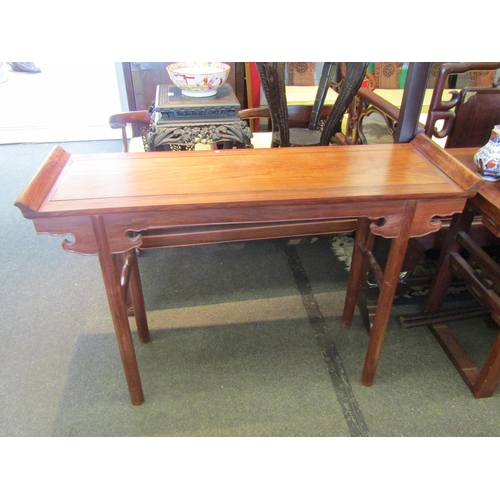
<point x="197" y="79"/>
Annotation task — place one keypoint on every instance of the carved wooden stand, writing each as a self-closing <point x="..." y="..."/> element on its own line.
<point x="180" y="122"/>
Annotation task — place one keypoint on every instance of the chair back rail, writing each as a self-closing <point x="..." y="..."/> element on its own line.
<point x="469" y="115"/>
<point x="272" y="75"/>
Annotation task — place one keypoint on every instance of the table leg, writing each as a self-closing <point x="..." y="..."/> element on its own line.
<point x="137" y="297"/>
<point x="358" y="269"/>
<point x="387" y="291"/>
<point x="118" y="311"/>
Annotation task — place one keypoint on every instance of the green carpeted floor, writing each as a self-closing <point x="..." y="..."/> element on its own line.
<point x="246" y="341"/>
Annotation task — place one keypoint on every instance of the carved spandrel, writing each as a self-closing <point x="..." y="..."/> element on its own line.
<point x="79" y="235"/>
<point x="425" y="221"/>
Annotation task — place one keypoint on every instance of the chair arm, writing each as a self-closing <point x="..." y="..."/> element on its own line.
<point x="261" y="112"/>
<point x="298" y="115"/>
<point x="121" y="120"/>
<point x="380" y="103"/>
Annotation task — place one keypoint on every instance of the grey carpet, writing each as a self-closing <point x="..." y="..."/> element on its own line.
<point x="246" y="341"/>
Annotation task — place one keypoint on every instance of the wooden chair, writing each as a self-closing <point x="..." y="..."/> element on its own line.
<point x="467" y="118"/>
<point x="463" y="257"/>
<point x="285" y="134"/>
<point x="122" y="120"/>
<point x="381" y="94"/>
<point x="384" y="92"/>
<point x="459" y="118"/>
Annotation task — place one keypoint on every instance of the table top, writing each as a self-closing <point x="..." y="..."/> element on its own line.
<point x="133" y="182"/>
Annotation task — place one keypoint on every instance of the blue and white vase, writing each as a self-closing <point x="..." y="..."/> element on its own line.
<point x="488" y="157"/>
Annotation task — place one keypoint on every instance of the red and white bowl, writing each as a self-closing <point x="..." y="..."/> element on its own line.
<point x="198" y="79"/>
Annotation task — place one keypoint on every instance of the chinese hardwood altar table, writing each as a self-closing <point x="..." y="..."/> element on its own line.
<point x="115" y="203"/>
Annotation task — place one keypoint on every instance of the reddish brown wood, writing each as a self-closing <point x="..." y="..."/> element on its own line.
<point x="387" y="291"/>
<point x="481" y="382"/>
<point x="489" y="376"/>
<point x="39" y="187"/>
<point x="156" y="238"/>
<point x="459" y="358"/>
<point x="466" y="120"/>
<point x="480" y="280"/>
<point x="425" y="319"/>
<point x="140" y="119"/>
<point x="119" y="183"/>
<point x="121" y="120"/>
<point x="379" y="103"/>
<point x="130" y="281"/>
<point x="107" y="202"/>
<point x="138" y="300"/>
<point x="358" y="269"/>
<point x="442" y="278"/>
<point x="463" y="175"/>
<point x="118" y="309"/>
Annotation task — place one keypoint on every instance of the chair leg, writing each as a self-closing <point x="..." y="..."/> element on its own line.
<point x="489" y="376"/>
<point x="442" y="278"/>
<point x="481" y="381"/>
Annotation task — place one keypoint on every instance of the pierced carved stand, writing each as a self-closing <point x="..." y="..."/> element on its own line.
<point x="180" y="122"/>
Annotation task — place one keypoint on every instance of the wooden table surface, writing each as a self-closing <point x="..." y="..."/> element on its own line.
<point x="121" y="182"/>
<point x="114" y="203"/>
